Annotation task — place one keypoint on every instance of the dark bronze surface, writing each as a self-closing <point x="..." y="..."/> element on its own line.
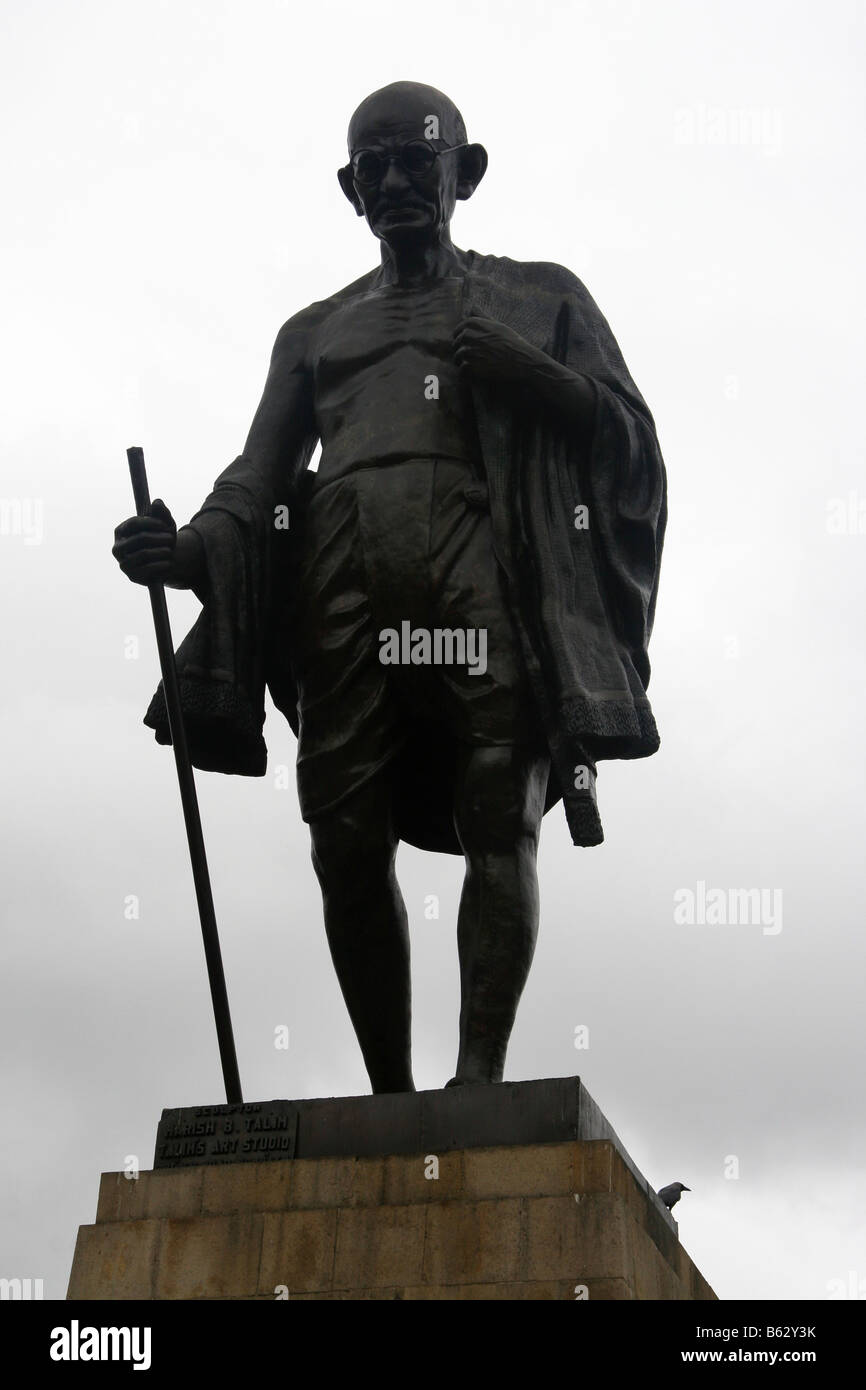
<point x="549" y="542"/>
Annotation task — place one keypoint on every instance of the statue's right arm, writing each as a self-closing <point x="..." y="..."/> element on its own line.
<point x="282" y="433"/>
<point x="280" y="441"/>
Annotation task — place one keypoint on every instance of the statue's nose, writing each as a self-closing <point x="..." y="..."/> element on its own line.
<point x="394" y="178"/>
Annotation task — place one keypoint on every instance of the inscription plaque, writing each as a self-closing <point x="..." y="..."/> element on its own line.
<point x="251" y="1133"/>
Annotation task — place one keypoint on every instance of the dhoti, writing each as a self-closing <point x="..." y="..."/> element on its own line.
<point x="403" y="547"/>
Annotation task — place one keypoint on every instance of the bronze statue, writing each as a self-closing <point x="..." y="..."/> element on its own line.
<point x="453" y="611"/>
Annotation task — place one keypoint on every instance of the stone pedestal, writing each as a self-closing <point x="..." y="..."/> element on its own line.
<point x="554" y="1216"/>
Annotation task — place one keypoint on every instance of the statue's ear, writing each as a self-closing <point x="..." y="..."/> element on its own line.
<point x="347" y="183"/>
<point x="472" y="168"/>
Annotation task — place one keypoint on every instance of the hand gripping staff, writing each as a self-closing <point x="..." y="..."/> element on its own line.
<point x="189" y="801"/>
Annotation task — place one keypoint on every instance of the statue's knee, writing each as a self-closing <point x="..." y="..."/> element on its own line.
<point x="495" y="810"/>
<point x="343" y="850"/>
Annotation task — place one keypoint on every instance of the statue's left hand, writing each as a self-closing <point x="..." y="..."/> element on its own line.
<point x="492" y="351"/>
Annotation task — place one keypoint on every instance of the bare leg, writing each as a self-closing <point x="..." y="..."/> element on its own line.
<point x="354" y="848"/>
<point x="499" y="804"/>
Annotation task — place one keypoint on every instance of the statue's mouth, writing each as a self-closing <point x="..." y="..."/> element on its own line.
<point x="398" y="209"/>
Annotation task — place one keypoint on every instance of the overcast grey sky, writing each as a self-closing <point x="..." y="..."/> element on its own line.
<point x="170" y="199"/>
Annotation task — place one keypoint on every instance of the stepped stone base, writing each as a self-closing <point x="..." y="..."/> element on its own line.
<point x="550" y="1220"/>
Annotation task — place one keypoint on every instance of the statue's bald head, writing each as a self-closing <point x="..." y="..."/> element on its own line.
<point x="401" y="202"/>
<point x="403" y="105"/>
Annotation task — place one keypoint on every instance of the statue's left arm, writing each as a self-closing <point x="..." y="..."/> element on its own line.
<point x="492" y="351"/>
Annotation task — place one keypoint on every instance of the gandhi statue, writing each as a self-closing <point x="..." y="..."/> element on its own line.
<point x="453" y="610"/>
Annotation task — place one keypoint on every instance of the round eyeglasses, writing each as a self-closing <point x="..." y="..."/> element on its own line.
<point x="416" y="158"/>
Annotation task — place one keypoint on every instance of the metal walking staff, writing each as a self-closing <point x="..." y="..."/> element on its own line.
<point x="189" y="801"/>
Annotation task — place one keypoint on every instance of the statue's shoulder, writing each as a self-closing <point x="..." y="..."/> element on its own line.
<point x="305" y="323"/>
<point x="546" y="275"/>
